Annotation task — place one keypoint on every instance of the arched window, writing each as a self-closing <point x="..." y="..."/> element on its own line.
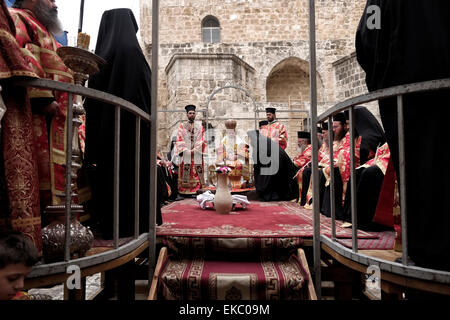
<point x="210" y="30"/>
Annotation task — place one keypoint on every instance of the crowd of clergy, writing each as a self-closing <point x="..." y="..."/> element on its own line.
<point x="259" y="163"/>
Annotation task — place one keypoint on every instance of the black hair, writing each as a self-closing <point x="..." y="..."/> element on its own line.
<point x="16" y="248"/>
<point x="340" y="117"/>
<point x="18" y="4"/>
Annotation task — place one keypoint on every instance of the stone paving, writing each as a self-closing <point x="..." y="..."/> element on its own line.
<point x="93" y="284"/>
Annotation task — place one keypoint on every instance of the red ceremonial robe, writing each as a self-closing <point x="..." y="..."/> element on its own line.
<point x="39" y="47"/>
<point x="19" y="205"/>
<point x="277" y="132"/>
<point x="190" y="146"/>
<point x="300" y="162"/>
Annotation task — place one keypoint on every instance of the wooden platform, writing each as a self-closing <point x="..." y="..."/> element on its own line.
<point x="388" y="255"/>
<point x="391" y="283"/>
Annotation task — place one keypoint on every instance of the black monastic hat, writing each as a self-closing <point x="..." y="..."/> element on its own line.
<point x="304" y="135"/>
<point x="319" y="129"/>
<point x="190" y="107"/>
<point x="325" y="126"/>
<point x="271" y="110"/>
<point x="340" y="117"/>
<point x="263" y="123"/>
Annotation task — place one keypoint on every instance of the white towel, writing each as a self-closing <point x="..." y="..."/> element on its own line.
<point x="208" y="196"/>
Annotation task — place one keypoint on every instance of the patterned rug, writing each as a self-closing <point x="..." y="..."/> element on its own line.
<point x="260" y="220"/>
<point x="201" y="279"/>
<point x="385" y="241"/>
<point x="242" y="249"/>
<point x="232" y="191"/>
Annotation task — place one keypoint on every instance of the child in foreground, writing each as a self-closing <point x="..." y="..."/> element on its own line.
<point x="17" y="257"/>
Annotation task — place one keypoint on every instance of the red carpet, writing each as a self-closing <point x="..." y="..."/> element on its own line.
<point x="241" y="249"/>
<point x="259" y="220"/>
<point x="201" y="279"/>
<point x="385" y="241"/>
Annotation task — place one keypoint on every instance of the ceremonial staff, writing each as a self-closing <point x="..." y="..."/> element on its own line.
<point x="80" y="24"/>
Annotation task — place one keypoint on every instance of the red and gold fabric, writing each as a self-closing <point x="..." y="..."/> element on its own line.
<point x="12" y="62"/>
<point x="324" y="162"/>
<point x="234" y="154"/>
<point x="277" y="132"/>
<point x="381" y="159"/>
<point x="39" y="47"/>
<point x="323" y="152"/>
<point x="304" y="158"/>
<point x="20" y="207"/>
<point x="387" y="212"/>
<point x="191" y="147"/>
<point x="341" y="159"/>
<point x="202" y="279"/>
<point x="300" y="162"/>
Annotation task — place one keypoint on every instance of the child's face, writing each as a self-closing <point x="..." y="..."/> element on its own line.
<point x="12" y="280"/>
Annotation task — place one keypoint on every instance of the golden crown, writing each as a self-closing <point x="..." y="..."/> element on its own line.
<point x="230" y="124"/>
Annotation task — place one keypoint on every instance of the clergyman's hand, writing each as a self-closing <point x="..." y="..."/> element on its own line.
<point x="51" y="109"/>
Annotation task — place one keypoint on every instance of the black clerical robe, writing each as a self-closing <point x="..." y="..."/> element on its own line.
<point x="128" y="76"/>
<point x="411" y="46"/>
<point x="274" y="171"/>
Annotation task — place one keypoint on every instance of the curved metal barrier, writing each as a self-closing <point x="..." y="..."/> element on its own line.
<point x="140" y="241"/>
<point x="402" y="269"/>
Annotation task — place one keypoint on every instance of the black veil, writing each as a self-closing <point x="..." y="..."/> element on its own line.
<point x="128" y="76"/>
<point x="368" y="127"/>
<point x="274" y="171"/>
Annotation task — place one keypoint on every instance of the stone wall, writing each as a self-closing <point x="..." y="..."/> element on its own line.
<point x="253" y="20"/>
<point x="350" y="78"/>
<point x="192" y="78"/>
<point x="269" y="35"/>
<point x="351" y="81"/>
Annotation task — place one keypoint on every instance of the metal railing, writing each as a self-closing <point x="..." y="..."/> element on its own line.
<point x="139" y="239"/>
<point x="403" y="268"/>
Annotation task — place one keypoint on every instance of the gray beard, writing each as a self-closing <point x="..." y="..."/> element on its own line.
<point x="301" y="149"/>
<point x="49" y="18"/>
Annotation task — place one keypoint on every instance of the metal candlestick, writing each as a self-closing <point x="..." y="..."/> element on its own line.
<point x="83" y="63"/>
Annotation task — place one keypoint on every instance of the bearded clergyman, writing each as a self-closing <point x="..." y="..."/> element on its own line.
<point x="190" y="148"/>
<point x="233" y="152"/>
<point x="36" y="22"/>
<point x="274" y="130"/>
<point x="303" y="158"/>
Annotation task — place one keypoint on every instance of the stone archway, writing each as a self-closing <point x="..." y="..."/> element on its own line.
<point x="288" y="80"/>
<point x="288" y="87"/>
